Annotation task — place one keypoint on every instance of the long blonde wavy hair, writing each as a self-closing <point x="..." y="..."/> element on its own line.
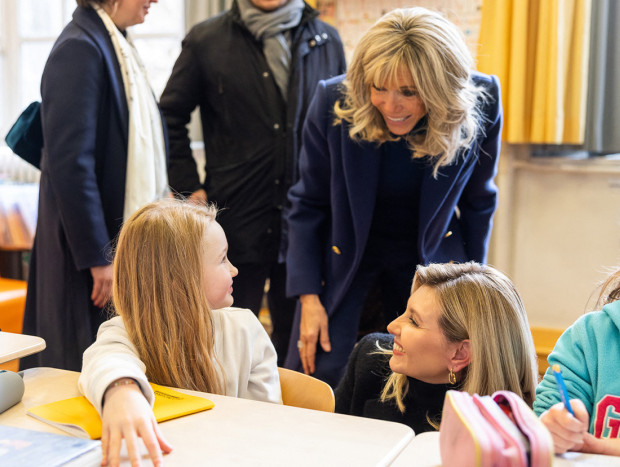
<point x="481" y="304"/>
<point x="432" y="50"/>
<point x="158" y="291"/>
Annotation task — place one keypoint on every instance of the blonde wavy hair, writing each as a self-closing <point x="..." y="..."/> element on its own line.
<point x="432" y="50"/>
<point x="481" y="304"/>
<point x="158" y="291"/>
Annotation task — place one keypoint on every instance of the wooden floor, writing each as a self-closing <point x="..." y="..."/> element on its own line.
<point x="265" y="319"/>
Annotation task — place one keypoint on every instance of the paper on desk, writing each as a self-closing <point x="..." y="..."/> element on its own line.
<point x="19" y="446"/>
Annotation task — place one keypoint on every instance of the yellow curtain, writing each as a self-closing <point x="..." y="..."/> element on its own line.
<point x="539" y="51"/>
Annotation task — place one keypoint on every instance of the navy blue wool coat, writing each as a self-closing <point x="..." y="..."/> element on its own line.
<point x="334" y="199"/>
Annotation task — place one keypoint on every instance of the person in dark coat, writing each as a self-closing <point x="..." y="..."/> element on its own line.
<point x="97" y="166"/>
<point x="396" y="169"/>
<point x="252" y="71"/>
<point x="465" y="328"/>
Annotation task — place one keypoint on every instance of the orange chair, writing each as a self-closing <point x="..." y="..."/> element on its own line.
<point x="307" y="392"/>
<point x="12" y="304"/>
<point x="544" y="342"/>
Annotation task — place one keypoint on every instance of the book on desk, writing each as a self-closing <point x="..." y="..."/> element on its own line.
<point x="20" y="447"/>
<point x="78" y="417"/>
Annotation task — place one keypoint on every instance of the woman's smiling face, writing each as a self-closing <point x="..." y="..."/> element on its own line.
<point x="421" y="350"/>
<point x="399" y="103"/>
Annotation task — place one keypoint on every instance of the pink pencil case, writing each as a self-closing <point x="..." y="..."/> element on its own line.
<point x="499" y="430"/>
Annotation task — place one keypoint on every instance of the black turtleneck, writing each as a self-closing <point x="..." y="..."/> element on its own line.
<point x="360" y="389"/>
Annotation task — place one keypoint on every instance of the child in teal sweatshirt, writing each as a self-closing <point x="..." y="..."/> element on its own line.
<point x="588" y="353"/>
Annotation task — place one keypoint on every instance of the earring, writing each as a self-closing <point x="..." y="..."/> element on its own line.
<point x="452" y="377"/>
<point x="115" y="9"/>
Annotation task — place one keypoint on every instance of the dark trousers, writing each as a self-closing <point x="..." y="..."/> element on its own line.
<point x="377" y="291"/>
<point x="248" y="290"/>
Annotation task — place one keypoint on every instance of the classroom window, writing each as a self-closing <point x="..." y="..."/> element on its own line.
<point x="28" y="29"/>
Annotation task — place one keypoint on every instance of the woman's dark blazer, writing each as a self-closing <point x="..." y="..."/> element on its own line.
<point x="85" y="130"/>
<point x="334" y="199"/>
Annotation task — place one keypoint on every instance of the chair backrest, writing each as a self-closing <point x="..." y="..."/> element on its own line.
<point x="301" y="390"/>
<point x="12" y="303"/>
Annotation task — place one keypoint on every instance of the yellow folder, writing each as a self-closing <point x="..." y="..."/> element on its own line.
<point x="78" y="417"/>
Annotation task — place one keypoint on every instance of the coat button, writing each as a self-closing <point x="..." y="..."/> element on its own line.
<point x="448" y="234"/>
<point x="336" y="250"/>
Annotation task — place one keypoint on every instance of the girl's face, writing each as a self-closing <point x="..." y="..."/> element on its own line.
<point x="218" y="272"/>
<point x="130" y="12"/>
<point x="398" y="103"/>
<point x="421" y="350"/>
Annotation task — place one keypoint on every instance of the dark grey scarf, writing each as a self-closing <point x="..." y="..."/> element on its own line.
<point x="272" y="27"/>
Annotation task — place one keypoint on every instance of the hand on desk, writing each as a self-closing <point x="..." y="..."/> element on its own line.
<point x="569" y="433"/>
<point x="127" y="414"/>
<point x="313" y="327"/>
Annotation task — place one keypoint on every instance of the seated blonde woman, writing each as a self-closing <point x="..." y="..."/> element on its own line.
<point x="464" y="328"/>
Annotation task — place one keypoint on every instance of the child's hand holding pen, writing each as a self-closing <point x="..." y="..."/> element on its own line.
<point x="567" y="421"/>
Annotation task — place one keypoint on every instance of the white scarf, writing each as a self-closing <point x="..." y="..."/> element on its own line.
<point x="146" y="178"/>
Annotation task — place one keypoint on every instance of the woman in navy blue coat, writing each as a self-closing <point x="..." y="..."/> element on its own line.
<point x="396" y="169"/>
<point x="84" y="176"/>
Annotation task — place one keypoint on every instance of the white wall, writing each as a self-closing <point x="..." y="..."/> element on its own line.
<point x="557" y="231"/>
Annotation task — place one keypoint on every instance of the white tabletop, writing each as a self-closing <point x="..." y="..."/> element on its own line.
<point x="423" y="451"/>
<point x="14" y="346"/>
<point x="242" y="432"/>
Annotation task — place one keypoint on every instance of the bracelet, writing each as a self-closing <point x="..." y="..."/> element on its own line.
<point x="122" y="382"/>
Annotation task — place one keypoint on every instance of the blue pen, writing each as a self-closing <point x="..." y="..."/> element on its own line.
<point x="562" y="388"/>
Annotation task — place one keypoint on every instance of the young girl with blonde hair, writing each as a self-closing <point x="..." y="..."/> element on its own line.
<point x="464" y="328"/>
<point x="172" y="292"/>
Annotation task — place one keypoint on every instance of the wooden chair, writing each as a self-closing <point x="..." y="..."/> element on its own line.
<point x="301" y="390"/>
<point x="12" y="303"/>
<point x="544" y="342"/>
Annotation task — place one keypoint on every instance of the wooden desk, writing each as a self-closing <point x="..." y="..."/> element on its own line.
<point x="242" y="432"/>
<point x="423" y="451"/>
<point x="13" y="346"/>
<point x="18" y="220"/>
